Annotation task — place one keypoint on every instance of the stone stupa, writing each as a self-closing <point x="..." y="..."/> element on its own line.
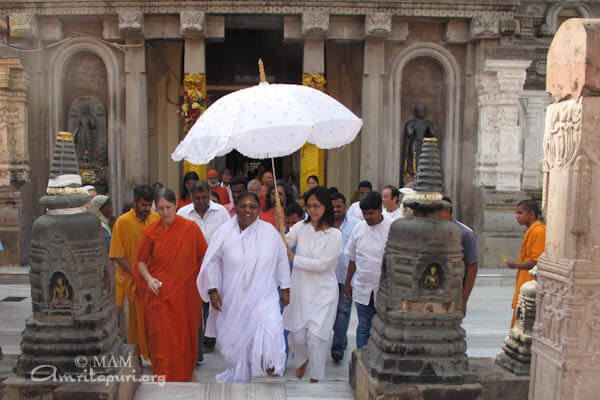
<point x="72" y="281"/>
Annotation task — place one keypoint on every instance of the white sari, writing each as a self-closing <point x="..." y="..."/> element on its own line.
<point x="246" y="267"/>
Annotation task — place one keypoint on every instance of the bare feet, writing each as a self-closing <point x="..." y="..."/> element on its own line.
<point x="301" y="370"/>
<point x="271" y="372"/>
<point x="312" y="380"/>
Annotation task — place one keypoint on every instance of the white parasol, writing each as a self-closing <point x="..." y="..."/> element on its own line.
<point x="266" y="121"/>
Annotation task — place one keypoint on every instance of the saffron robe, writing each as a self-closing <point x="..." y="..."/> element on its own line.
<point x="531" y="249"/>
<point x="173" y="255"/>
<point x="246" y="267"/>
<point x="126" y="236"/>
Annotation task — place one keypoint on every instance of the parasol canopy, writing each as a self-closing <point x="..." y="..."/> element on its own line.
<point x="268" y="120"/>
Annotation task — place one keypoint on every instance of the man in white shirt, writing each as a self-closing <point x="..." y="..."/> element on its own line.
<point x="391" y="202"/>
<point x="354" y="210"/>
<point x="209" y="216"/>
<point x="365" y="252"/>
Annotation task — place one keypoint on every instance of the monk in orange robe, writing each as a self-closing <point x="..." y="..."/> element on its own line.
<point x="527" y="214"/>
<point x="126" y="235"/>
<point x="169" y="258"/>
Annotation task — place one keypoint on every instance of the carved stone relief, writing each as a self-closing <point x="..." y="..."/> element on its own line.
<point x="378" y="24"/>
<point x="23" y="25"/>
<point x="485" y="25"/>
<point x="192" y="22"/>
<point x="131" y="22"/>
<point x="563" y="133"/>
<point x="315" y="22"/>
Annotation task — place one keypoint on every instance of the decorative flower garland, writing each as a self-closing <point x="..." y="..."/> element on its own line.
<point x="194" y="104"/>
<point x="194" y="99"/>
<point x="316" y="81"/>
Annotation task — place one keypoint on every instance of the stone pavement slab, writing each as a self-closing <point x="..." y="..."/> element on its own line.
<point x="487" y="323"/>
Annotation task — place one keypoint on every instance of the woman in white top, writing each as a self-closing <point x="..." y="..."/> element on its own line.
<point x="314" y="290"/>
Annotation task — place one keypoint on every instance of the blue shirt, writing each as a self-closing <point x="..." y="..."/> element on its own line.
<point x="469" y="244"/>
<point x="342" y="264"/>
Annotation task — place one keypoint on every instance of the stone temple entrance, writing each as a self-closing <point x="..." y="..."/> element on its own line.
<point x="231" y="64"/>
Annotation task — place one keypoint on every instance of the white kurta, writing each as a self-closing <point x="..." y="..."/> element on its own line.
<point x="366" y="248"/>
<point x="355" y="211"/>
<point x="314" y="287"/>
<point x="393" y="215"/>
<point x="246" y="267"/>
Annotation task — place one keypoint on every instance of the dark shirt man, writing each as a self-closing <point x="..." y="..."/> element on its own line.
<point x="470" y="256"/>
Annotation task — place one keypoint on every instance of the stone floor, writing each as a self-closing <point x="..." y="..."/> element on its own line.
<point x="486" y="324"/>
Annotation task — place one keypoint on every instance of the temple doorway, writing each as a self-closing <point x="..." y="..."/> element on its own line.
<point x="231" y="64"/>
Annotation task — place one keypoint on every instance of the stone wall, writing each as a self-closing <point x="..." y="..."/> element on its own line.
<point x="14" y="157"/>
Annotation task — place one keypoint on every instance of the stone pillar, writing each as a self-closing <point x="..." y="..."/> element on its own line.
<point x="137" y="171"/>
<point x="14" y="156"/>
<point x="372" y="112"/>
<point x="533" y="109"/>
<point x="315" y="25"/>
<point x="498" y="162"/>
<point x="566" y="337"/>
<point x="194" y="68"/>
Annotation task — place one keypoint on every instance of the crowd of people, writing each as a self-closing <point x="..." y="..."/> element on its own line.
<point x="206" y="267"/>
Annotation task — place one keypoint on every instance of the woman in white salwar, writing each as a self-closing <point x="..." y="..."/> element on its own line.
<point x="244" y="265"/>
<point x="314" y="289"/>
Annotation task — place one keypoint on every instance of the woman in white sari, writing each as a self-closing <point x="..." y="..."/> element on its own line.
<point x="245" y="264"/>
<point x="313" y="303"/>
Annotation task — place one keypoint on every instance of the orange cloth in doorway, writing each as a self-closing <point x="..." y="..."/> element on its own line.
<point x="531" y="249"/>
<point x="173" y="255"/>
<point x="126" y="235"/>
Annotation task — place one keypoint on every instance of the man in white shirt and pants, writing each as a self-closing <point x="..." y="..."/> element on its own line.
<point x="209" y="216"/>
<point x="365" y="252"/>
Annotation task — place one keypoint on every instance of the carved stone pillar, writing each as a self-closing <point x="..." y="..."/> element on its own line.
<point x="194" y="68"/>
<point x="136" y="115"/>
<point x="372" y="112"/>
<point x="566" y="337"/>
<point x="315" y="25"/>
<point x="533" y="109"/>
<point x="498" y="161"/>
<point x="14" y="155"/>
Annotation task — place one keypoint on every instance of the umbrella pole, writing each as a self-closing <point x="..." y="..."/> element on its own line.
<point x="277" y="202"/>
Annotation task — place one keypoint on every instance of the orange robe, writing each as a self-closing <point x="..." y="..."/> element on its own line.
<point x="126" y="235"/>
<point x="531" y="249"/>
<point x="268" y="216"/>
<point x="223" y="194"/>
<point x="180" y="203"/>
<point x="173" y="255"/>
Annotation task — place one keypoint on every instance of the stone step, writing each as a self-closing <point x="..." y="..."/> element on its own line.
<point x="213" y="391"/>
<point x="14" y="275"/>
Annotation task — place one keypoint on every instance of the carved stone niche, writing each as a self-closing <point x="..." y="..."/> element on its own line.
<point x="23" y="25"/>
<point x="485" y="26"/>
<point x="378" y="24"/>
<point x="131" y="23"/>
<point x="192" y="22"/>
<point x="315" y="22"/>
